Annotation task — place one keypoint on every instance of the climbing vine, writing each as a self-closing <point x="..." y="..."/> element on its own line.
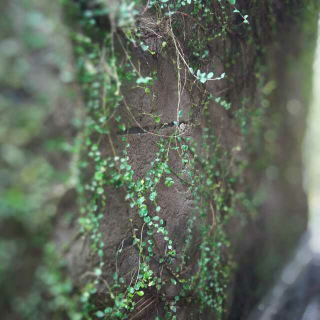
<point x="162" y="176"/>
<point x="205" y="171"/>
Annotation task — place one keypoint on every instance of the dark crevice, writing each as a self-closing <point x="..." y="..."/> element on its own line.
<point x="147" y="129"/>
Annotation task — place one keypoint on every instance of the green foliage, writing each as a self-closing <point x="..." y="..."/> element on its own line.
<point x="209" y="171"/>
<point x="207" y="175"/>
<point x="35" y="160"/>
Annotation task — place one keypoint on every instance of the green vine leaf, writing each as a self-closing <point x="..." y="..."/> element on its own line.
<point x="143" y="80"/>
<point x="99" y="314"/>
<point x="153" y="196"/>
<point x="141" y="200"/>
<point x="157" y="119"/>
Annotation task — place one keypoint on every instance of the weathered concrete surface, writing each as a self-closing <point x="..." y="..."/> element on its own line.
<point x="263" y="245"/>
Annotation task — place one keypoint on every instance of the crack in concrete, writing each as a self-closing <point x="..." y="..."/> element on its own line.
<point x="146" y="129"/>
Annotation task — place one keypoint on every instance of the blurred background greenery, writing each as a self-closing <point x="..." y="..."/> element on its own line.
<point x="312" y="154"/>
<point x="35" y="154"/>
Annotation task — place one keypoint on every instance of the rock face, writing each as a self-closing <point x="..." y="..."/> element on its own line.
<point x="188" y="173"/>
